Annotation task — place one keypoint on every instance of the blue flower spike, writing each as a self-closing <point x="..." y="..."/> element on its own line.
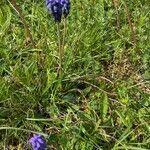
<point x="38" y="142"/>
<point x="58" y="8"/>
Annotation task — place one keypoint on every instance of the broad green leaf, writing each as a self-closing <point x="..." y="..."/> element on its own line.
<point x="104" y="106"/>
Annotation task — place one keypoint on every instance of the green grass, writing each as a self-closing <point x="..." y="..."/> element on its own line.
<point x="104" y="98"/>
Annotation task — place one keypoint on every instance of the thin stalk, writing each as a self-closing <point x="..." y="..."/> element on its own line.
<point x="64" y="34"/>
<point x="26" y="27"/>
<point x="133" y="34"/>
<point x="59" y="50"/>
<point x="116" y="6"/>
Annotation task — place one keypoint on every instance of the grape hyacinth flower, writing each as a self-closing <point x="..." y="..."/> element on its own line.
<point x="38" y="142"/>
<point x="58" y="8"/>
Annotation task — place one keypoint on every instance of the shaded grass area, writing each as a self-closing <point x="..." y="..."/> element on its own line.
<point x="104" y="100"/>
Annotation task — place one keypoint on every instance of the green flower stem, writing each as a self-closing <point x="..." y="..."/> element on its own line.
<point x="59" y="50"/>
<point x="64" y="34"/>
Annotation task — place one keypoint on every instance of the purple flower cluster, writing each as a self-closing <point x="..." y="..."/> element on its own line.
<point x="58" y="8"/>
<point x="38" y="142"/>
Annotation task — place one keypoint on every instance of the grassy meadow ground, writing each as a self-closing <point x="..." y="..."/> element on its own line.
<point x="104" y="98"/>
